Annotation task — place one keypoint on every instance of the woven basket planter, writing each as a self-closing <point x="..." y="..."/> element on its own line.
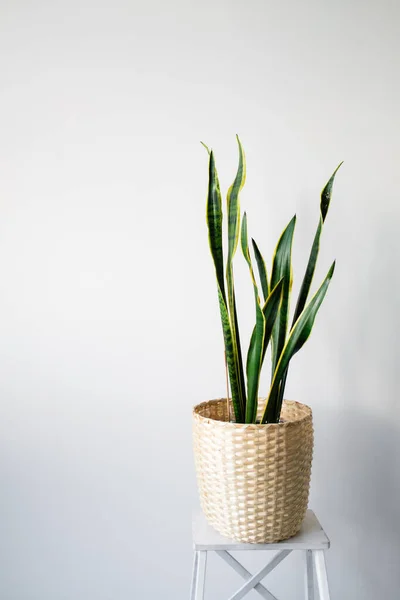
<point x="253" y="480"/>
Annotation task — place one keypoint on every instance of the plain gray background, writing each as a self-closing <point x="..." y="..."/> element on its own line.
<point x="108" y="312"/>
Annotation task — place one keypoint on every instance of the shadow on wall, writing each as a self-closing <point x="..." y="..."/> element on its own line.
<point x="360" y="457"/>
<point x="356" y="473"/>
<point x="357" y="477"/>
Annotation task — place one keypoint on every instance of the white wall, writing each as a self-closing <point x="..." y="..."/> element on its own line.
<point x="108" y="313"/>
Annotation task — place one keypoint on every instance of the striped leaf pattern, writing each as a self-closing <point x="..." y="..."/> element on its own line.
<point x="233" y="209"/>
<point x="255" y="352"/>
<point x="282" y="268"/>
<point x="214" y="223"/>
<point x="262" y="270"/>
<point x="326" y="195"/>
<point x="272" y="317"/>
<point x="271" y="311"/>
<point x="230" y="357"/>
<point x="297" y="338"/>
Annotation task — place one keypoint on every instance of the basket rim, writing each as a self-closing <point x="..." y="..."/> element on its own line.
<point x="255" y="426"/>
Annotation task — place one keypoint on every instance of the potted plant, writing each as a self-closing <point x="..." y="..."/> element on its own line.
<point x="253" y="456"/>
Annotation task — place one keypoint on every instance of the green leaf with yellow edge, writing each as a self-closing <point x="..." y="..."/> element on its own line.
<point x="262" y="270"/>
<point x="233" y="203"/>
<point x="282" y="268"/>
<point x="296" y="339"/>
<point x="326" y="195"/>
<point x="214" y="223"/>
<point x="230" y="358"/>
<point x="254" y="355"/>
<point x="233" y="209"/>
<point x="270" y="312"/>
<point x="239" y="360"/>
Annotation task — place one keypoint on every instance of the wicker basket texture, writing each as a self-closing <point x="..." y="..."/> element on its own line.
<point x="253" y="480"/>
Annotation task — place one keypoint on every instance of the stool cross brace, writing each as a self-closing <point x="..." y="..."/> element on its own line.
<point x="311" y="540"/>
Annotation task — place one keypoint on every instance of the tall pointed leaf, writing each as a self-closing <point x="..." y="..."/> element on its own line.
<point x="296" y="339"/>
<point x="233" y="208"/>
<point x="233" y="203"/>
<point x="282" y="267"/>
<point x="262" y="270"/>
<point x="214" y="223"/>
<point x="254" y="355"/>
<point x="326" y="195"/>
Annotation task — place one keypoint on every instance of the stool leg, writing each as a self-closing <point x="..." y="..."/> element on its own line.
<point x="309" y="576"/>
<point x="322" y="578"/>
<point x="194" y="575"/>
<point x="200" y="578"/>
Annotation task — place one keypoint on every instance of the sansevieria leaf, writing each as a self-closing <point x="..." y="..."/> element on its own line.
<point x="270" y="311"/>
<point x="254" y="355"/>
<point x="230" y="358"/>
<point x="233" y="208"/>
<point x="233" y="203"/>
<point x="214" y="223"/>
<point x="326" y="195"/>
<point x="272" y="314"/>
<point x="272" y="300"/>
<point x="296" y="339"/>
<point x="262" y="270"/>
<point x="282" y="268"/>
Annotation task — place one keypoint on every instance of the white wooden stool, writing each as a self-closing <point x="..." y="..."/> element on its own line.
<point x="311" y="540"/>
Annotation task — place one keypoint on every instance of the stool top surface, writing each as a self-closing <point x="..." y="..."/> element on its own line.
<point x="310" y="537"/>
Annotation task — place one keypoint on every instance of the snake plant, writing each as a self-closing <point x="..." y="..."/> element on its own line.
<point x="272" y="312"/>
